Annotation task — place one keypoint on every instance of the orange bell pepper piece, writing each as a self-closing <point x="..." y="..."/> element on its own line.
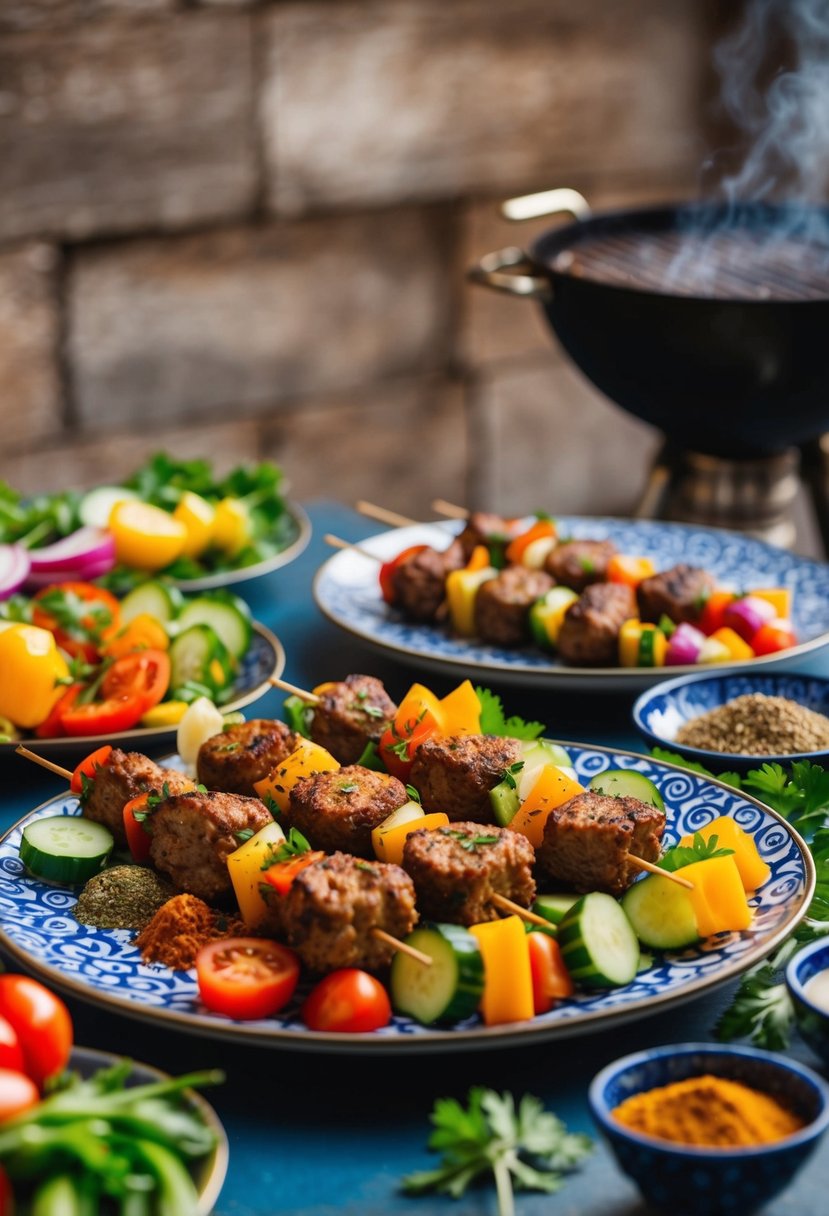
<point x="461" y="711"/>
<point x="552" y="788"/>
<point x="711" y="617"/>
<point x="734" y="644"/>
<point x="143" y="632"/>
<point x="543" y="529"/>
<point x="629" y="570"/>
<point x="780" y="599"/>
<point x="389" y="845"/>
<point x="508" y="985"/>
<point x="752" y="869"/>
<point x="718" y="897"/>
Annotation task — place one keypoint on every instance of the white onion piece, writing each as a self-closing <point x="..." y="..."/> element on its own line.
<point x="14" y="567"/>
<point x="201" y="721"/>
<point x="84" y="548"/>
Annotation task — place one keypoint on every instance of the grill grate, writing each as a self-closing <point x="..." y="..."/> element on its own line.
<point x="726" y="265"/>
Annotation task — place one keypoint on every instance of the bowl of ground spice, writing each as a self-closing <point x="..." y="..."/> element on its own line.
<point x="738" y="722"/>
<point x="708" y="1129"/>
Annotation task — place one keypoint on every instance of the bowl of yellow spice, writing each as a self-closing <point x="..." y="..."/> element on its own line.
<point x="709" y="1129"/>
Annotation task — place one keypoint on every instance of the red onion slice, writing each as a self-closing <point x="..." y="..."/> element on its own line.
<point x="14" y="569"/>
<point x="86" y="547"/>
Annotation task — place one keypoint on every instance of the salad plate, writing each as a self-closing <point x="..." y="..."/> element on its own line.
<point x="244" y="574"/>
<point x="264" y="659"/>
<point x="347" y="591"/>
<point x="102" y="966"/>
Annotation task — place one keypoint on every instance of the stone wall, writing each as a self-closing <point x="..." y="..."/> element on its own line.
<point x="241" y="229"/>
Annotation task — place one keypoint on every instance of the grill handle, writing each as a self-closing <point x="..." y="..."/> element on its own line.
<point x="509" y="270"/>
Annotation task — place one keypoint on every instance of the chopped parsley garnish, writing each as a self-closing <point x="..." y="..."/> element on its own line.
<point x="684" y="855"/>
<point x="293" y="846"/>
<point x="495" y="722"/>
<point x="511" y="773"/>
<point x="470" y="843"/>
<point x="243" y="834"/>
<point x="414" y="795"/>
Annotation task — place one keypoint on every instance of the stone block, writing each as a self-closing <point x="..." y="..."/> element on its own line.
<point x="244" y="319"/>
<point x="115" y="126"/>
<point x="18" y="15"/>
<point x="367" y="100"/>
<point x="400" y="444"/>
<point x="548" y="440"/>
<point x="30" y="397"/>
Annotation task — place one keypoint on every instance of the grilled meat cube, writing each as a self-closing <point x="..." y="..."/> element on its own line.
<point x="679" y="593"/>
<point x="454" y="774"/>
<point x="121" y="778"/>
<point x="351" y="714"/>
<point x="587" y="842"/>
<point x="484" y="528"/>
<point x="419" y="582"/>
<point x="241" y="755"/>
<point x="339" y="810"/>
<point x="503" y="603"/>
<point x="457" y="870"/>
<point x="578" y="563"/>
<point x="334" y="905"/>
<point x="193" y="834"/>
<point x="590" y="631"/>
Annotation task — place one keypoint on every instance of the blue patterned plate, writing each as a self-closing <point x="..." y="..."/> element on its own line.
<point x="661" y="711"/>
<point x="346" y="589"/>
<point x="264" y="658"/>
<point x="102" y="965"/>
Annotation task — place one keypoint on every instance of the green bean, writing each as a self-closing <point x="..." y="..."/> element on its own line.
<point x="59" y="1196"/>
<point x="177" y="1194"/>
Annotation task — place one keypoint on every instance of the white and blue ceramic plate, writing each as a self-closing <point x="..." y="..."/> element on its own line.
<point x="347" y="591"/>
<point x="662" y="710"/>
<point x="264" y="659"/>
<point x="102" y="965"/>
<point x="244" y="574"/>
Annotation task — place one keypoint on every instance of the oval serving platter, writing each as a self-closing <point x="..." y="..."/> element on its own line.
<point x="264" y="659"/>
<point x="103" y="967"/>
<point x="347" y="591"/>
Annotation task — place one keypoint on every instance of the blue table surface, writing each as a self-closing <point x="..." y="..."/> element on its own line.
<point x="317" y="1134"/>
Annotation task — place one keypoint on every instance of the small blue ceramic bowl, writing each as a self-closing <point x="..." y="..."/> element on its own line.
<point x="659" y="712"/>
<point x="694" y="1181"/>
<point x="812" y="1021"/>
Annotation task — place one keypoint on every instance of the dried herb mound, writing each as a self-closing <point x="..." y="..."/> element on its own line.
<point x="757" y="725"/>
<point x="124" y="897"/>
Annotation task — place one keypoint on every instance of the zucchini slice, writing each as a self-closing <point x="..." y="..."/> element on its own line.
<point x="449" y="990"/>
<point x="661" y="913"/>
<point x="598" y="944"/>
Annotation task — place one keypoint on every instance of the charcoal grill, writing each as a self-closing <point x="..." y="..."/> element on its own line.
<point x="709" y="322"/>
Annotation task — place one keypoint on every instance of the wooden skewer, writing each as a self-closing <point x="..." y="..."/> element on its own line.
<point x="43" y="762"/>
<point x="384" y="515"/>
<point x="336" y="542"/>
<point x="402" y="947"/>
<point x="641" y="864"/>
<point x="508" y="905"/>
<point x="450" y="509"/>
<point x="302" y="693"/>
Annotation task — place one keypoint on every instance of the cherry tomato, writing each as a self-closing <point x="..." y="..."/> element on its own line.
<point x="246" y="977"/>
<point x="11" y="1053"/>
<point x="399" y="742"/>
<point x="17" y="1093"/>
<point x="144" y="674"/>
<point x="389" y="569"/>
<point x="41" y="1022"/>
<point x="92" y="610"/>
<point x="347" y="1000"/>
<point x="89" y="767"/>
<point x="713" y="613"/>
<point x="551" y="979"/>
<point x="773" y="636"/>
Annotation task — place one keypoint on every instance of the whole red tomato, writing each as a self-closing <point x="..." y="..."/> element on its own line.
<point x="347" y="1000"/>
<point x="41" y="1022"/>
<point x="17" y="1093"/>
<point x="11" y="1053"/>
<point x="246" y="977"/>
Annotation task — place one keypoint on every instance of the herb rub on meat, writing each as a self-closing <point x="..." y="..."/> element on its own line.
<point x="419" y="581"/>
<point x="239" y="756"/>
<point x="455" y="773"/>
<point x="457" y="870"/>
<point x="349" y="715"/>
<point x="503" y="603"/>
<point x="589" y="634"/>
<point x="339" y="810"/>
<point x="578" y="563"/>
<point x="122" y="777"/>
<point x="679" y="593"/>
<point x="334" y="905"/>
<point x="588" y="840"/>
<point x="194" y="833"/>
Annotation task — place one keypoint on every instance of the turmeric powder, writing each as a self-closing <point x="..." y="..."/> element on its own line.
<point x="708" y="1111"/>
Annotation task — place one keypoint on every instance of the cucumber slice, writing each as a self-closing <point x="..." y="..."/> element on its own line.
<point x="554" y="907"/>
<point x="661" y="913"/>
<point x="199" y="659"/>
<point x="155" y="598"/>
<point x="96" y="506"/>
<point x="65" y="849"/>
<point x="449" y="990"/>
<point x="597" y="942"/>
<point x="506" y="797"/>
<point x="625" y="783"/>
<point x="504" y="801"/>
<point x="228" y="617"/>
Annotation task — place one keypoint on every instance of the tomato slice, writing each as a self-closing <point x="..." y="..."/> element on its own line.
<point x="347" y="1000"/>
<point x="551" y="979"/>
<point x="102" y="717"/>
<point x="78" y="622"/>
<point x="17" y="1093"/>
<point x="282" y="874"/>
<point x="139" y="837"/>
<point x="41" y="1022"/>
<point x="246" y="977"/>
<point x="89" y="767"/>
<point x="52" y="726"/>
<point x="145" y="674"/>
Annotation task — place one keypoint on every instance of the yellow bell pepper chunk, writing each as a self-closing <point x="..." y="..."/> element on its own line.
<point x="306" y="760"/>
<point x="462" y="589"/>
<point x="752" y="869"/>
<point x="552" y="788"/>
<point x="734" y="644"/>
<point x="719" y="900"/>
<point x="508" y="986"/>
<point x="146" y="537"/>
<point x="166" y="713"/>
<point x="461" y="711"/>
<point x="641" y="645"/>
<point x="197" y="515"/>
<point x="389" y="845"/>
<point x="780" y="599"/>
<point x="244" y="866"/>
<point x="31" y="667"/>
<point x="232" y="528"/>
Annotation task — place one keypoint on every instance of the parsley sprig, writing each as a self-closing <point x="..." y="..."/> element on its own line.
<point x="294" y="845"/>
<point x="525" y="1147"/>
<point x="699" y="850"/>
<point x="495" y="722"/>
<point x="470" y="843"/>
